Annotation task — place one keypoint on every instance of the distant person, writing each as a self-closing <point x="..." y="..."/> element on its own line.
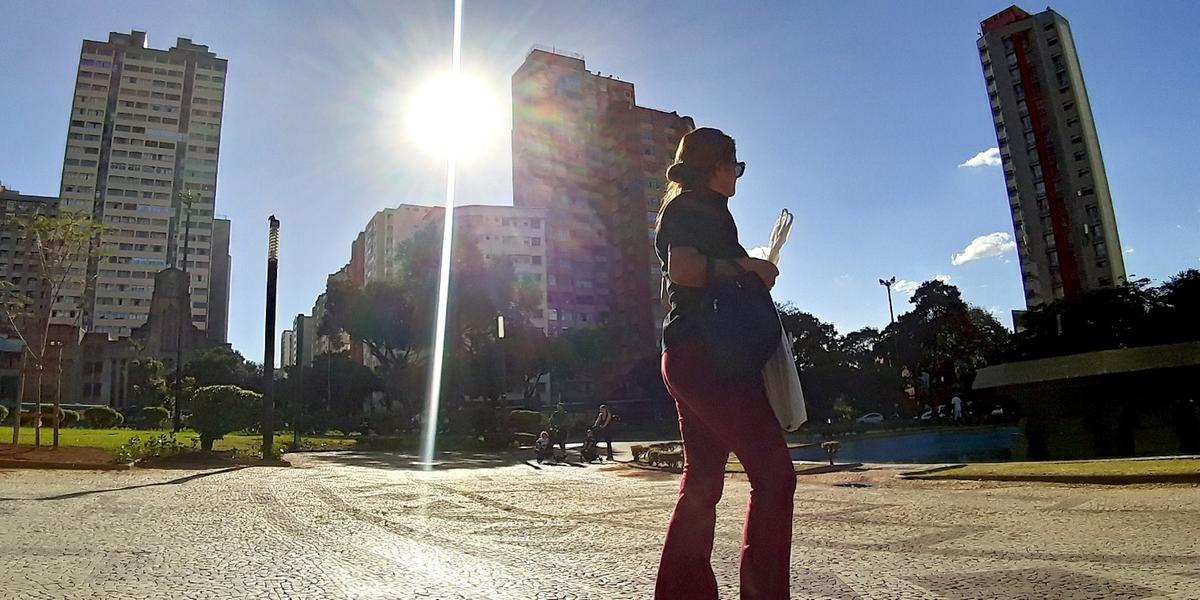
<point x="558" y="421"/>
<point x="588" y="452"/>
<point x="604" y="423"/>
<point x="543" y="449"/>
<point x="696" y="236"/>
<point x="956" y="402"/>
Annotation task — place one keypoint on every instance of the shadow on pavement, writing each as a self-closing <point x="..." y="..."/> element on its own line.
<point x="176" y="481"/>
<point x="411" y="462"/>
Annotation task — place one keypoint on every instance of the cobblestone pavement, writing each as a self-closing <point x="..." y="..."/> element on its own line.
<point x="365" y="526"/>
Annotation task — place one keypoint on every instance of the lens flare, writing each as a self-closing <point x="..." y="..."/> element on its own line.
<point x="453" y="116"/>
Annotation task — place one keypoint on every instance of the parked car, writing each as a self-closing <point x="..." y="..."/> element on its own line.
<point x="871" y="418"/>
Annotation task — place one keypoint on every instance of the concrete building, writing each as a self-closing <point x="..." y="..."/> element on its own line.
<point x="18" y="262"/>
<point x="304" y="330"/>
<point x="513" y="234"/>
<point x="287" y="348"/>
<point x="144" y="133"/>
<point x="587" y="154"/>
<point x="220" y="276"/>
<point x="1058" y="192"/>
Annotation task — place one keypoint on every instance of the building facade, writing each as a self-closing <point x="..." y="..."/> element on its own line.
<point x="287" y="348"/>
<point x="1058" y="192"/>
<point x="141" y="158"/>
<point x="513" y="234"/>
<point x="587" y="154"/>
<point x="18" y="256"/>
<point x="220" y="280"/>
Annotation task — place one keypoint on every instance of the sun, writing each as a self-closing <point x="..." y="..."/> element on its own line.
<point x="452" y="116"/>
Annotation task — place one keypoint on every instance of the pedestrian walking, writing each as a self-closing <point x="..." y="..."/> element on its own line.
<point x="558" y="421"/>
<point x="697" y="243"/>
<point x="604" y="424"/>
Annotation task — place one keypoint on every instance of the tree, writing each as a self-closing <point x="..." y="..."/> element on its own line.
<point x="62" y="243"/>
<point x="219" y="366"/>
<point x="147" y="386"/>
<point x="218" y="410"/>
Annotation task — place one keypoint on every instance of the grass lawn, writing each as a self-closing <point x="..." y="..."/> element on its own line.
<point x="1093" y="468"/>
<point x="111" y="439"/>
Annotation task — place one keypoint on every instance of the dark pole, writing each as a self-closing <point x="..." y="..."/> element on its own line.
<point x="298" y="398"/>
<point x="268" y="417"/>
<point x="887" y="283"/>
<point x="184" y="313"/>
<point x="58" y="393"/>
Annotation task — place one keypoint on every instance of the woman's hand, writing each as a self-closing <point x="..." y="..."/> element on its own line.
<point x="765" y="269"/>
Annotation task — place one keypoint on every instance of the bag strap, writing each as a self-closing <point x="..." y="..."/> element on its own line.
<point x="710" y="267"/>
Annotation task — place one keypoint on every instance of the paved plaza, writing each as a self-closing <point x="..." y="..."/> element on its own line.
<point x="347" y="525"/>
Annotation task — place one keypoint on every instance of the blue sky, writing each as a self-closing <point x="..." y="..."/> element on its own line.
<point x="854" y="115"/>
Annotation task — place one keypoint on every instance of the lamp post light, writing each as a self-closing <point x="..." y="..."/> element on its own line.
<point x="887" y="283"/>
<point x="503" y="357"/>
<point x="58" y="392"/>
<point x="268" y="416"/>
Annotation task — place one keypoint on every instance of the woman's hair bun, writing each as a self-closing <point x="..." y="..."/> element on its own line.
<point x="678" y="173"/>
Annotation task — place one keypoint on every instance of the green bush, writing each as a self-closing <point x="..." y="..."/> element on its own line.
<point x="3" y="413"/>
<point x="70" y="417"/>
<point x="153" y="416"/>
<point x="221" y="409"/>
<point x="103" y="417"/>
<point x="525" y="421"/>
<point x="162" y="445"/>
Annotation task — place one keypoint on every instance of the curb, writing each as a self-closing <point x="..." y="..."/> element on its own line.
<point x="1187" y="478"/>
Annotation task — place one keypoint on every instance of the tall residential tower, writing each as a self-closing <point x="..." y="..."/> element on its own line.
<point x="141" y="159"/>
<point x="1057" y="190"/>
<point x="586" y="153"/>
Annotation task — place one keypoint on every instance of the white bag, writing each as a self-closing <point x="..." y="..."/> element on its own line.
<point x="780" y="377"/>
<point x="782" y="382"/>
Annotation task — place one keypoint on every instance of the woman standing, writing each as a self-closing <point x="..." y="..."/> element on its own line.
<point x="697" y="237"/>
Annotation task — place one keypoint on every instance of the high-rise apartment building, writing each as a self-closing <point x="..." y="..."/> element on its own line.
<point x="220" y="279"/>
<point x="287" y="348"/>
<point x="1057" y="189"/>
<point x="586" y="153"/>
<point x="141" y="159"/>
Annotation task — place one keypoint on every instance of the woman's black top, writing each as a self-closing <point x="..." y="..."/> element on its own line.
<point x="700" y="219"/>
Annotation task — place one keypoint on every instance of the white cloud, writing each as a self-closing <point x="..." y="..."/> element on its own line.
<point x="986" y="158"/>
<point x="985" y="246"/>
<point x="1129" y="251"/>
<point x="906" y="287"/>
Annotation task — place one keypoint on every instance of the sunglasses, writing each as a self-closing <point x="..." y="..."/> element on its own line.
<point x="740" y="167"/>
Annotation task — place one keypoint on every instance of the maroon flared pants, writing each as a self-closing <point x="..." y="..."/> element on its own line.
<point x="718" y="416"/>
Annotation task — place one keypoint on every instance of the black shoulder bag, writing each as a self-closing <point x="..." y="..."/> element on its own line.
<point x="739" y="324"/>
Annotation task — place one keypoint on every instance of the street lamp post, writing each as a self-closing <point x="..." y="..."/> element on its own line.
<point x="58" y="392"/>
<point x="503" y="357"/>
<point x="184" y="312"/>
<point x="268" y="416"/>
<point x="887" y="283"/>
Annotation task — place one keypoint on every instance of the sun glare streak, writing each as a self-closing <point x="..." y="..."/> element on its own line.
<point x="433" y="400"/>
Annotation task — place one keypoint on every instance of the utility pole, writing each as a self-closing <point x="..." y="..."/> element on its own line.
<point x="268" y="416"/>
<point x="298" y="398"/>
<point x="887" y="283"/>
<point x="185" y="312"/>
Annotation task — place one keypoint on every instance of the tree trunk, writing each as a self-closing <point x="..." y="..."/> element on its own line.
<point x="206" y="443"/>
<point x="58" y="400"/>
<point x="37" y="411"/>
